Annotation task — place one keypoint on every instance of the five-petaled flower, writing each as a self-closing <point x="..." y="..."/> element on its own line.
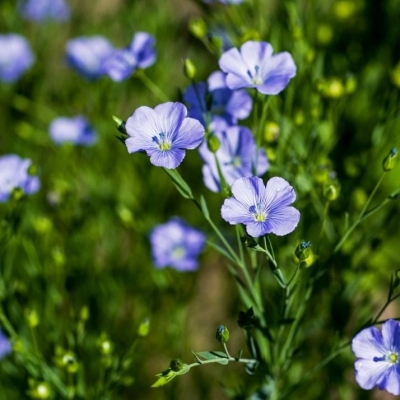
<point x="378" y="357"/>
<point x="177" y="245"/>
<point x="163" y="133"/>
<point x="263" y="209"/>
<point x="139" y="54"/>
<point x="14" y="173"/>
<point x="256" y="67"/>
<point x="74" y="130"/>
<point x="237" y="157"/>
<point x="226" y="106"/>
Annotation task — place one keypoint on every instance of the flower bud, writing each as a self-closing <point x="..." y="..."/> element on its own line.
<point x="331" y="191"/>
<point x="176" y="365"/>
<point x="389" y="161"/>
<point x="39" y="390"/>
<point x="222" y="334"/>
<point x="144" y="328"/>
<point x="303" y="250"/>
<point x="84" y="313"/>
<point x="248" y="241"/>
<point x="271" y="132"/>
<point x="120" y="124"/>
<point x="213" y="143"/>
<point x="344" y="9"/>
<point x="324" y="34"/>
<point x="189" y="69"/>
<point x="32" y="317"/>
<point x="198" y="28"/>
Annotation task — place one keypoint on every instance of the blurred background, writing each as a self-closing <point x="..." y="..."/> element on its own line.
<point x="76" y="266"/>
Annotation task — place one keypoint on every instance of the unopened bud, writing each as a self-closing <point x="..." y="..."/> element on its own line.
<point x="222" y="334"/>
<point x="213" y="143"/>
<point x="198" y="28"/>
<point x="120" y="124"/>
<point x="144" y="328"/>
<point x="247" y="319"/>
<point x="32" y="317"/>
<point x="189" y="69"/>
<point x="248" y="241"/>
<point x="303" y="250"/>
<point x="389" y="161"/>
<point x="331" y="191"/>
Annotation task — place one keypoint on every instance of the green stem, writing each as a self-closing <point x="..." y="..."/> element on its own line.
<point x="151" y="86"/>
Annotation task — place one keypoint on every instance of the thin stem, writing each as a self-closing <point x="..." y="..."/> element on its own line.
<point x="151" y="86"/>
<point x="324" y="218"/>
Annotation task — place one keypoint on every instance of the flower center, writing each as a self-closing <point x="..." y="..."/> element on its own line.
<point x="178" y="252"/>
<point x="392" y="358"/>
<point x="163" y="143"/>
<point x="255" y="77"/>
<point x="258" y="213"/>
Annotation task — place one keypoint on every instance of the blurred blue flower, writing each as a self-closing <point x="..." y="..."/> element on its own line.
<point x="378" y="357"/>
<point x="88" y="54"/>
<point x="263" y="209"/>
<point x="237" y="157"/>
<point x="15" y="57"/>
<point x="41" y="10"/>
<point x="163" y="133"/>
<point x="139" y="54"/>
<point x="227" y="106"/>
<point x="177" y="245"/>
<point x="5" y="346"/>
<point x="256" y="67"/>
<point x="74" y="130"/>
<point x="14" y="174"/>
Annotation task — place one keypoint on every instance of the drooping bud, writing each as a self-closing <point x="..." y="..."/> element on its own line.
<point x="303" y="250"/>
<point x="331" y="191"/>
<point x="222" y="334"/>
<point x="189" y="69"/>
<point x="389" y="161"/>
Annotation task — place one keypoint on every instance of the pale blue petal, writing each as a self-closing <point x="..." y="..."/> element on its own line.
<point x="369" y="373"/>
<point x="169" y="159"/>
<point x="279" y="194"/>
<point x="235" y="212"/>
<point x="190" y="135"/>
<point x="283" y="220"/>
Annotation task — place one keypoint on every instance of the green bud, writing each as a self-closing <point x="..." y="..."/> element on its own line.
<point x="32" y="317"/>
<point x="248" y="241"/>
<point x="389" y="161"/>
<point x="84" y="313"/>
<point x="331" y="191"/>
<point x="222" y="334"/>
<point x="120" y="124"/>
<point x="213" y="143"/>
<point x="176" y="365"/>
<point x="17" y="194"/>
<point x="66" y="360"/>
<point x="271" y="132"/>
<point x="105" y="345"/>
<point x="344" y="9"/>
<point x="303" y="250"/>
<point x="189" y="69"/>
<point x="144" y="328"/>
<point x="198" y="28"/>
<point x="39" y="390"/>
<point x="324" y="34"/>
<point x="33" y="170"/>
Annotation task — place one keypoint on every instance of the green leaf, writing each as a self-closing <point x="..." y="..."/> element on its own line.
<point x="220" y="250"/>
<point x="219" y="356"/>
<point x="204" y="207"/>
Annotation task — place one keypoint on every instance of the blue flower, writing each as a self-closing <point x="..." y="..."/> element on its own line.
<point x="15" y="57"/>
<point x="163" y="133"/>
<point x="263" y="209"/>
<point x="237" y="157"/>
<point x="5" y="346"/>
<point x="177" y="245"/>
<point x="14" y="174"/>
<point x="75" y="130"/>
<point x="378" y="357"/>
<point x="227" y="106"/>
<point x="88" y="54"/>
<point x="41" y="10"/>
<point x="139" y="54"/>
<point x="256" y="67"/>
